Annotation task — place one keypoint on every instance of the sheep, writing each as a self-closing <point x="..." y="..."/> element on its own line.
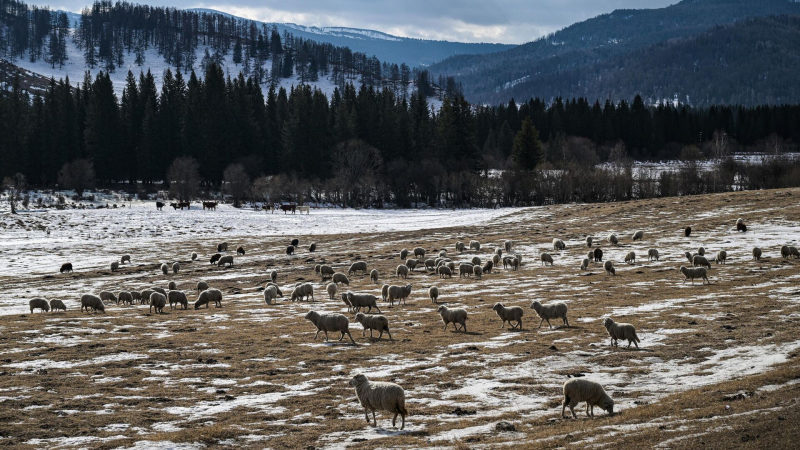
<point x="359" y="301"/>
<point x="589" y="241"/>
<point x="313" y="247"/>
<point x="721" y="257"/>
<point x="330" y="322"/>
<point x="240" y="250"/>
<point x="701" y="251"/>
<point x="56" y="305"/>
<point x="346" y="301"/>
<point x="92" y="301"/>
<point x="271" y="293"/>
<point x="194" y="256"/>
<point x="177" y="298"/>
<point x="295" y="242"/>
<point x="443" y="253"/>
<point x="66" y="267"/>
<point x="476" y="261"/>
<point x="273" y="275"/>
<point x="125" y="297"/>
<point x="215" y="257"/>
<point x="380" y="395"/>
<point x="698" y="260"/>
<point x="477" y="271"/>
<point x="507" y="261"/>
<point x="326" y="272"/>
<point x="638" y="235"/>
<point x="402" y="271"/>
<point x="373" y="322"/>
<point x="688" y="256"/>
<point x="558" y="244"/>
<point x="630" y="258"/>
<point x="223" y="247"/>
<point x="487" y="268"/>
<point x="385" y="292"/>
<point x="359" y="266"/>
<point x="316" y="268"/>
<point x="690" y="273"/>
<point x="652" y="255"/>
<point x="331" y="288"/>
<point x="433" y="293"/>
<point x="507" y="245"/>
<point x="144" y="296"/>
<point x="172" y="285"/>
<point x="419" y="252"/>
<point x="451" y="265"/>
<point x="227" y="259"/>
<point x="794" y="252"/>
<point x="373" y="276"/>
<point x="475" y="245"/>
<point x="687" y="231"/>
<point x="126" y="259"/>
<point x="624" y="331"/>
<point x="740" y="226"/>
<point x="579" y="390"/>
<point x="404" y="254"/>
<point x="157" y="301"/>
<point x="609" y="267"/>
<point x="202" y="286"/>
<point x="136" y="295"/>
<point x="496" y="260"/>
<point x="585" y="264"/>
<point x="512" y="314"/>
<point x="552" y="311"/>
<point x="785" y="251"/>
<point x="114" y="266"/>
<point x="108" y="296"/>
<point x="444" y="272"/>
<point x="598" y="255"/>
<point x="465" y="269"/>
<point x="164" y="268"/>
<point x="515" y="261"/>
<point x="430" y="263"/>
<point x="277" y="288"/>
<point x="411" y="264"/>
<point x="208" y="296"/>
<point x="756" y="253"/>
<point x="399" y="293"/>
<point x="612" y="239"/>
<point x="161" y="290"/>
<point x="498" y="251"/>
<point x="302" y="292"/>
<point x="39" y="303"/>
<point x="456" y="316"/>
<point x="546" y="258"/>
<point x="289" y="250"/>
<point x="176" y="267"/>
<point x="460" y="247"/>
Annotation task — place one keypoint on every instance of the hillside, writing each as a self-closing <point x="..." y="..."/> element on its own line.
<point x="491" y="78"/>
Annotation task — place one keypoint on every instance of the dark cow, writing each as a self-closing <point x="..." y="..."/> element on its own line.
<point x="291" y="207"/>
<point x="66" y="267"/>
<point x="159" y="205"/>
<point x="210" y="205"/>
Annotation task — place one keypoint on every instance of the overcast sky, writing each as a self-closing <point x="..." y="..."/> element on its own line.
<point x="507" y="21"/>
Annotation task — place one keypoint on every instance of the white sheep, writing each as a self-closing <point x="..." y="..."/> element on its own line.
<point x="399" y="293"/>
<point x="373" y="275"/>
<point x="552" y="311"/>
<point x="107" y="296"/>
<point x="92" y="301"/>
<point x="330" y="322"/>
<point x="546" y="258"/>
<point x="698" y="260"/>
<point x="208" y="296"/>
<point x="612" y="239"/>
<point x="411" y="263"/>
<point x="756" y="253"/>
<point x="508" y="245"/>
<point x="270" y="294"/>
<point x="624" y="331"/>
<point x="202" y="286"/>
<point x="164" y="268"/>
<point x="57" y="305"/>
<point x="172" y="285"/>
<point x="460" y="247"/>
<point x="419" y="252"/>
<point x="273" y="275"/>
<point x="496" y="260"/>
<point x="558" y="244"/>
<point x="588" y="241"/>
<point x="630" y="258"/>
<point x="456" y="316"/>
<point x="690" y="273"/>
<point x="385" y="292"/>
<point x="512" y="314"/>
<point x="638" y="235"/>
<point x="722" y="257"/>
<point x="476" y="261"/>
<point x="375" y="322"/>
<point x="444" y="272"/>
<point x="380" y="395"/>
<point x="474" y="245"/>
<point x="358" y="301"/>
<point x="404" y="254"/>
<point x="579" y="390"/>
<point x="227" y="259"/>
<point x="609" y="267"/>
<point x="303" y="292"/>
<point x="340" y="278"/>
<point x="177" y="298"/>
<point x="359" y="266"/>
<point x="465" y="269"/>
<point x="125" y="297"/>
<point x="433" y="293"/>
<point x="402" y="271"/>
<point x="477" y="271"/>
<point x="39" y="303"/>
<point x="585" y="264"/>
<point x="176" y="267"/>
<point x="652" y="255"/>
<point x="157" y="301"/>
<point x="331" y="288"/>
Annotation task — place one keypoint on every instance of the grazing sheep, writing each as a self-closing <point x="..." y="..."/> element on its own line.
<point x="518" y="257"/>
<point x="609" y="267"/>
<point x="223" y="247"/>
<point x="380" y="395"/>
<point x="411" y="264"/>
<point x="444" y="272"/>
<point x="721" y="257"/>
<point x="433" y="293"/>
<point x="399" y="293"/>
<point x="794" y="252"/>
<point x="144" y="296"/>
<point x="240" y="250"/>
<point x="125" y="297"/>
<point x="295" y="242"/>
<point x="273" y="275"/>
<point x="460" y="247"/>
<point x="66" y="267"/>
<point x="302" y="292"/>
<point x="126" y="259"/>
<point x="756" y="253"/>
<point x="507" y="261"/>
<point x="785" y="251"/>
<point x="585" y="264"/>
<point x="277" y="288"/>
<point x="57" y="305"/>
<point x="375" y="322"/>
<point x="598" y="255"/>
<point x="552" y="311"/>
<point x="346" y="301"/>
<point x="289" y="250"/>
<point x="331" y="288"/>
<point x="215" y="257"/>
<point x="688" y="256"/>
<point x="208" y="296"/>
<point x="579" y="390"/>
<point x="624" y="331"/>
<point x="507" y="245"/>
<point x="701" y="251"/>
<point x="419" y="252"/>
<point x="512" y="314"/>
<point x="498" y="251"/>
<point x="194" y="256"/>
<point x="359" y="301"/>
<point x="172" y="285"/>
<point x="740" y="226"/>
<point x="402" y="271"/>
<point x="652" y="255"/>
<point x="227" y="259"/>
<point x="476" y="261"/>
<point x="161" y="290"/>
<point x="698" y="260"/>
<point x="92" y="301"/>
<point x="487" y="268"/>
<point x="456" y="316"/>
<point x="589" y="241"/>
<point x="558" y="244"/>
<point x="136" y="295"/>
<point x="496" y="260"/>
<point x="176" y="267"/>
<point x="612" y="239"/>
<point x="177" y="298"/>
<point x="385" y="292"/>
<point x="313" y="247"/>
<point x="107" y="296"/>
<point x="157" y="301"/>
<point x="202" y="286"/>
<point x="638" y="236"/>
<point x="404" y="254"/>
<point x="687" y="231"/>
<point x="359" y="266"/>
<point x="546" y="258"/>
<point x="326" y="272"/>
<point x="271" y="293"/>
<point x="164" y="268"/>
<point x="39" y="303"/>
<point x="477" y="271"/>
<point x="630" y="258"/>
<point x="465" y="269"/>
<point x="442" y="253"/>
<point x="430" y="263"/>
<point x="690" y="273"/>
<point x="114" y="266"/>
<point x="330" y="322"/>
<point x="475" y="245"/>
<point x="373" y="275"/>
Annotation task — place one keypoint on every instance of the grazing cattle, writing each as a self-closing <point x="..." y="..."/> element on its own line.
<point x="268" y="207"/>
<point x="210" y="206"/>
<point x="290" y="207"/>
<point x="186" y="205"/>
<point x="159" y="205"/>
<point x="174" y="205"/>
<point x="304" y="209"/>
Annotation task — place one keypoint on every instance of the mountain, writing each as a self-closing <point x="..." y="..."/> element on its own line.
<point x="581" y="47"/>
<point x="386" y="47"/>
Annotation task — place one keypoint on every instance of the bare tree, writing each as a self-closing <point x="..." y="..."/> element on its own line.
<point x="183" y="177"/>
<point x="357" y="167"/>
<point x="14" y="187"/>
<point x="236" y="183"/>
<point x="77" y="175"/>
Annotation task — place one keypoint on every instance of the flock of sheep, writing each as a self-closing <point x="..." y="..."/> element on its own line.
<point x="383" y="396"/>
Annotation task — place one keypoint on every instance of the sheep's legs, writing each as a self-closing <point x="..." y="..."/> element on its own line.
<point x="548" y="324"/>
<point x="317" y="334"/>
<point x="374" y="421"/>
<point x="366" y="414"/>
<point x="540" y="324"/>
<point x="390" y="335"/>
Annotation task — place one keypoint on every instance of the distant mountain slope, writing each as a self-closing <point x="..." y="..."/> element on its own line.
<point x="386" y="47"/>
<point x="495" y="77"/>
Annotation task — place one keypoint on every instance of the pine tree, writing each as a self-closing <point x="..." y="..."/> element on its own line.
<point x="527" y="152"/>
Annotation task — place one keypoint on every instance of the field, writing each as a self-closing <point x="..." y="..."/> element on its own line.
<point x="718" y="364"/>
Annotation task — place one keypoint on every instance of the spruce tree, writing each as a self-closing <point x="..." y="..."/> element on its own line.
<point x="527" y="152"/>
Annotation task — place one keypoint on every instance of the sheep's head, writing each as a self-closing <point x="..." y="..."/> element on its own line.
<point x="359" y="317"/>
<point x="607" y="322"/>
<point x="608" y="405"/>
<point x="441" y="308"/>
<point x="357" y="380"/>
<point x="536" y="306"/>
<point x="497" y="306"/>
<point x="311" y="315"/>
